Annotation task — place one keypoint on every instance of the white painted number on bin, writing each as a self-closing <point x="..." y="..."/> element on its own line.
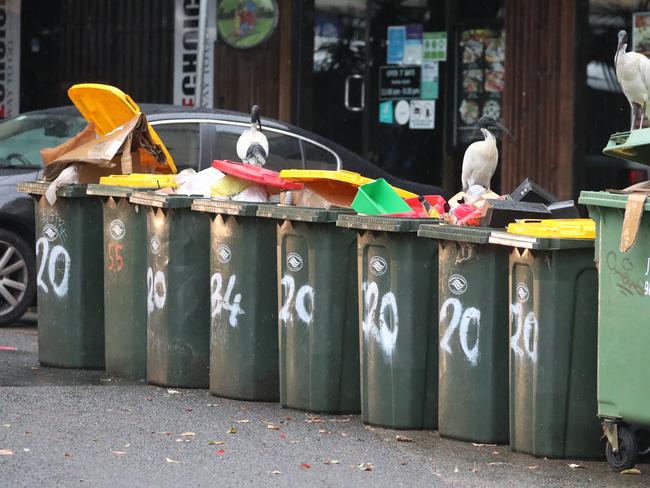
<point x="220" y="303"/>
<point x="461" y="320"/>
<point x="51" y="260"/>
<point x="384" y="312"/>
<point x="526" y="333"/>
<point x="303" y="304"/>
<point x="156" y="290"/>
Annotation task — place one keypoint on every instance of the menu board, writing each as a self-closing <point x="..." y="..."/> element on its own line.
<point x="479" y="79"/>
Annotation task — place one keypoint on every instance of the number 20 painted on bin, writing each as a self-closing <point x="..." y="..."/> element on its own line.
<point x="526" y="327"/>
<point x="156" y="290"/>
<point x="460" y="320"/>
<point x="386" y="333"/>
<point x="50" y="259"/>
<point x="304" y="303"/>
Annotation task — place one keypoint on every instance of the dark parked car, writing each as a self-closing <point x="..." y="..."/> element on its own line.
<point x="194" y="137"/>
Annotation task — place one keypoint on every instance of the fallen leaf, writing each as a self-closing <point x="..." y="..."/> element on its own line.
<point x="313" y="419"/>
<point x="67" y="455"/>
<point x="305" y="466"/>
<point x="173" y="392"/>
<point x="340" y="420"/>
<point x="475" y="469"/>
<point x="403" y="463"/>
<point x="220" y="452"/>
<point x="6" y="425"/>
<point x="188" y="434"/>
<point x="476" y="444"/>
<point x="276" y="472"/>
<point x="367" y="427"/>
<point x="120" y="453"/>
<point x="343" y="434"/>
<point x="188" y="409"/>
<point x="172" y="461"/>
<point x="7" y="348"/>
<point x="232" y="430"/>
<point x="533" y="466"/>
<point x="332" y="461"/>
<point x="6" y="452"/>
<point x="272" y="427"/>
<point x="323" y="431"/>
<point x="631" y="471"/>
<point x="403" y="438"/>
<point x="365" y="466"/>
<point x="576" y="466"/>
<point x="283" y="435"/>
<point x="148" y="399"/>
<point x="215" y="443"/>
<point x="242" y="421"/>
<point x="496" y="453"/>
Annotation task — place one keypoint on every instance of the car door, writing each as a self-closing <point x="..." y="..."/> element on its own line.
<point x="183" y="141"/>
<point x="286" y="150"/>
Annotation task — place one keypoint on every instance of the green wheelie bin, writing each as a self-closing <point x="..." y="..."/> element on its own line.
<point x="69" y="278"/>
<point x="243" y="307"/>
<point x="398" y="321"/>
<point x="177" y="293"/>
<point x="623" y="328"/>
<point x="125" y="282"/>
<point x="553" y="303"/>
<point x="317" y="316"/>
<point x="473" y="349"/>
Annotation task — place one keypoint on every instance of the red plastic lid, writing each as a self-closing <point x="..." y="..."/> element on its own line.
<point x="261" y="176"/>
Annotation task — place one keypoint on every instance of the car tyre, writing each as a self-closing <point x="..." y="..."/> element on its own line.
<point x="17" y="277"/>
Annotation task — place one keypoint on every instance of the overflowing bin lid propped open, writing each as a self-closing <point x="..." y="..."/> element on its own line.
<point x="271" y="180"/>
<point x="109" y="107"/>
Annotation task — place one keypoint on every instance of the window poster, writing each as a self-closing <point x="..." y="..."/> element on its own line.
<point x="396" y="41"/>
<point x="480" y="79"/>
<point x="641" y="32"/>
<point x="435" y="46"/>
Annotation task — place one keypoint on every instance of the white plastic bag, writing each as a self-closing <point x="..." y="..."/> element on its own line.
<point x="192" y="183"/>
<point x="68" y="176"/>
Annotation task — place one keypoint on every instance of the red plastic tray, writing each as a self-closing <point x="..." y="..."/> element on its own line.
<point x="261" y="176"/>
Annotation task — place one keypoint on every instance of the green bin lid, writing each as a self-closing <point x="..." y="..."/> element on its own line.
<point x="539" y="243"/>
<point x="303" y="214"/>
<point x="385" y="224"/>
<point x="96" y="190"/>
<point x="608" y="199"/>
<point x="475" y="235"/>
<point x="40" y="187"/>
<point x="244" y="209"/>
<point x="631" y="145"/>
<point x="161" y="200"/>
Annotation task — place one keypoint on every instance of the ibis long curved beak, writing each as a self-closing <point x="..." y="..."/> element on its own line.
<point x="502" y="128"/>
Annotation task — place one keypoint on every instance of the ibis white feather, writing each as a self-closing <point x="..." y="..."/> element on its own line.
<point x="252" y="145"/>
<point x="480" y="162"/>
<point x="633" y="74"/>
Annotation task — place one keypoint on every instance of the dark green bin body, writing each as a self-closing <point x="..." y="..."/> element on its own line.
<point x="473" y="335"/>
<point x="553" y="328"/>
<point x="70" y="289"/>
<point x="398" y="322"/>
<point x="317" y="310"/>
<point x="243" y="307"/>
<point x="125" y="282"/>
<point x="178" y="298"/>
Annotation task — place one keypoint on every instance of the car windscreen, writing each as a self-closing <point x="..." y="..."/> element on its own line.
<point x="23" y="137"/>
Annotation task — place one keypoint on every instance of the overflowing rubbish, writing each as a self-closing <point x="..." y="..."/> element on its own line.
<point x="190" y="182"/>
<point x="379" y="198"/>
<point x="559" y="228"/>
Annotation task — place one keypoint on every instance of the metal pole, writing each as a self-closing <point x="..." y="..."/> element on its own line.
<point x="200" y="55"/>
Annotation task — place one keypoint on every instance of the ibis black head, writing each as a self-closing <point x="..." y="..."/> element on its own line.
<point x="489" y="123"/>
<point x="255" y="116"/>
<point x="622" y="37"/>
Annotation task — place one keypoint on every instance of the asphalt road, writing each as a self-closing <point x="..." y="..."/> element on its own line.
<point x="79" y="428"/>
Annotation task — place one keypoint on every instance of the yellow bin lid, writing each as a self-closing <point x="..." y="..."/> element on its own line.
<point x="109" y="107"/>
<point x="558" y="228"/>
<point x="344" y="177"/>
<point x="139" y="180"/>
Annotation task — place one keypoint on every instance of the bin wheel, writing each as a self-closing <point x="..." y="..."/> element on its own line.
<point x="628" y="451"/>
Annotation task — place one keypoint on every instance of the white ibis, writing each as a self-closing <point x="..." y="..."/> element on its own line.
<point x="481" y="157"/>
<point x="252" y="145"/>
<point x="633" y="73"/>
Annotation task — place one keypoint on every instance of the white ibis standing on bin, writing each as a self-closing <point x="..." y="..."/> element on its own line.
<point x="252" y="145"/>
<point x="633" y="73"/>
<point x="481" y="157"/>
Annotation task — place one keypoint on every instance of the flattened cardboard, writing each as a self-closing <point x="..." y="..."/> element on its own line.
<point x="632" y="220"/>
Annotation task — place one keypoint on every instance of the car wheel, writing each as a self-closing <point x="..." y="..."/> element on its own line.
<point x="17" y="277"/>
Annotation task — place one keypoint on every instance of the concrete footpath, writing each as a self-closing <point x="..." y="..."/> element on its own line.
<point x="81" y="428"/>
